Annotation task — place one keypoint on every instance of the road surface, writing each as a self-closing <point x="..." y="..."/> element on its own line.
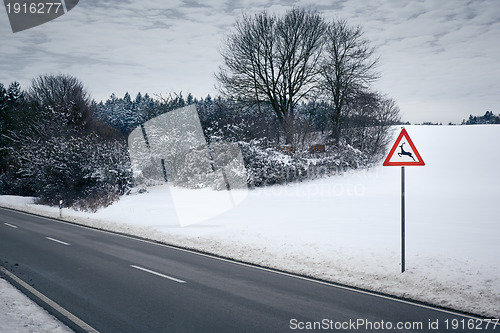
<point x="114" y="283"/>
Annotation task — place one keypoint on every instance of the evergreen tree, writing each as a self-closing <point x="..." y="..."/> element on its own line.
<point x="14" y="93"/>
<point x="127" y="101"/>
<point x="189" y="99"/>
<point x="3" y="96"/>
<point x="4" y="121"/>
<point x="12" y="123"/>
<point x="3" y="105"/>
<point x="138" y="98"/>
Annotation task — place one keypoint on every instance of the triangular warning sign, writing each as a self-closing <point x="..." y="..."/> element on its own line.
<point x="403" y="152"/>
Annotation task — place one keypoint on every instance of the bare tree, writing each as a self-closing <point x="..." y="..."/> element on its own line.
<point x="62" y="98"/>
<point x="274" y="60"/>
<point x="388" y="114"/>
<point x="368" y="126"/>
<point x="348" y="68"/>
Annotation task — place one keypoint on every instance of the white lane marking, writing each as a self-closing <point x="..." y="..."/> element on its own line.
<point x="156" y="273"/>
<point x="11" y="225"/>
<point x="292" y="275"/>
<point x="57" y="241"/>
<point x="77" y="321"/>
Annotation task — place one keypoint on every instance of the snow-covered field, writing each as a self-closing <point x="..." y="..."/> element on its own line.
<point x="346" y="228"/>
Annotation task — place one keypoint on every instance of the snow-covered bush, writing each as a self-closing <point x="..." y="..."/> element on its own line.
<point x="85" y="172"/>
<point x="216" y="166"/>
<point x="195" y="170"/>
<point x="267" y="166"/>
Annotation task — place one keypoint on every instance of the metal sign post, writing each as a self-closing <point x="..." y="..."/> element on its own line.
<point x="403" y="158"/>
<point x="402" y="219"/>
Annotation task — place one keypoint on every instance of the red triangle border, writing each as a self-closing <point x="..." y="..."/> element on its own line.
<point x="419" y="161"/>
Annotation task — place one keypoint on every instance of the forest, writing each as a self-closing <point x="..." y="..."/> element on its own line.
<point x="58" y="144"/>
<point x="295" y="97"/>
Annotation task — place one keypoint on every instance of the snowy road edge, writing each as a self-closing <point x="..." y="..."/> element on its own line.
<point x="46" y="303"/>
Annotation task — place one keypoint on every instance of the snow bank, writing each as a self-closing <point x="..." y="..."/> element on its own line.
<point x="18" y="314"/>
<point x="346" y="228"/>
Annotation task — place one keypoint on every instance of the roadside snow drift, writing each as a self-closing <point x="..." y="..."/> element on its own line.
<point x="18" y="314"/>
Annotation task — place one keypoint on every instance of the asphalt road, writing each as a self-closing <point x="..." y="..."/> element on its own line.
<point x="121" y="284"/>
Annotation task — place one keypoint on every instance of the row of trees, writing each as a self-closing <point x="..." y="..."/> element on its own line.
<point x="54" y="147"/>
<point x="488" y="118"/>
<point x="57" y="144"/>
<point x="365" y="127"/>
<point x="259" y="134"/>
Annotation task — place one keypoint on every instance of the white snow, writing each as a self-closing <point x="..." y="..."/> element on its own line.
<point x="18" y="314"/>
<point x="346" y="228"/>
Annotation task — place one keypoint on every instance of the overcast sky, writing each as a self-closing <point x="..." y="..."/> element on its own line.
<point x="439" y="59"/>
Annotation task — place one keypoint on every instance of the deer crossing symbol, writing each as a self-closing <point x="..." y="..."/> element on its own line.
<point x="403" y="152"/>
